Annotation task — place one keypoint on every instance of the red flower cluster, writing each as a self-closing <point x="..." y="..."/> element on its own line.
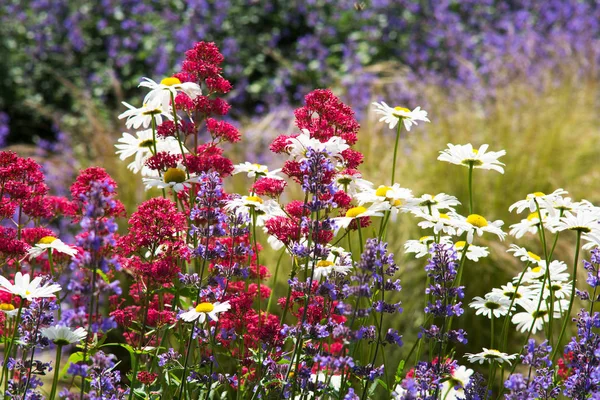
<point x="82" y="186"/>
<point x="208" y="158"/>
<point x="269" y="187"/>
<point x="221" y="130"/>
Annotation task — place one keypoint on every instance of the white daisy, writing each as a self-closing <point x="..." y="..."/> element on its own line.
<point x="447" y="223"/>
<point x="544" y="201"/>
<point x="8" y="309"/>
<point x="586" y="222"/>
<point x="421" y="247"/>
<point x="454" y="387"/>
<point x="429" y="204"/>
<point x="530" y="224"/>
<point x="475" y="223"/>
<point x="63" y="335"/>
<point x="161" y="92"/>
<point x="395" y="195"/>
<point x="509" y="291"/>
<point x="374" y="210"/>
<point x="565" y="204"/>
<point x="203" y="309"/>
<point x="532" y="318"/>
<point x="392" y="116"/>
<point x="490" y="355"/>
<point x="264" y="209"/>
<point x="558" y="272"/>
<point x="467" y="156"/>
<point x="172" y="178"/>
<point x="27" y="289"/>
<point x="339" y="264"/>
<point x="523" y="254"/>
<point x="474" y="253"/>
<point x="560" y="289"/>
<point x="256" y="170"/>
<point x="298" y="145"/>
<point x="143" y="116"/>
<point x="50" y="242"/>
<point x="492" y="304"/>
<point x="351" y="182"/>
<point x="141" y="147"/>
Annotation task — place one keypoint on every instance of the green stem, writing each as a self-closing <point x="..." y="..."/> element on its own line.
<point x="396" y="152"/>
<point x="56" y="372"/>
<point x="512" y="302"/>
<point x="568" y="315"/>
<point x="275" y="280"/>
<point x="10" y="344"/>
<point x="470" y="188"/>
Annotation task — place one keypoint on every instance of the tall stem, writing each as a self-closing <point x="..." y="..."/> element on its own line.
<point x="396" y="152"/>
<point x="470" y="188"/>
<point x="573" y="286"/>
<point x="12" y="341"/>
<point x="56" y="372"/>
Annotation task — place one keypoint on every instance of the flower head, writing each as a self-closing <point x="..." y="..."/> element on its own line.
<point x="392" y="116"/>
<point x="490" y="355"/>
<point x="27" y="289"/>
<point x="467" y="156"/>
<point x="63" y="335"/>
<point x="52" y="243"/>
<point x="203" y="309"/>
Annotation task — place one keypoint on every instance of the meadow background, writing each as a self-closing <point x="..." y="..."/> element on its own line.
<point x="520" y="75"/>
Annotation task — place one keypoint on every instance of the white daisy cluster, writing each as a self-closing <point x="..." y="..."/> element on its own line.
<point x="142" y="144"/>
<point x="557" y="213"/>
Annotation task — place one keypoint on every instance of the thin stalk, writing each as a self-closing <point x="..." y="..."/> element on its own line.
<point x="275" y="281"/>
<point x="571" y="300"/>
<point x="396" y="152"/>
<point x="470" y="187"/>
<point x="12" y="341"/>
<point x="56" y="372"/>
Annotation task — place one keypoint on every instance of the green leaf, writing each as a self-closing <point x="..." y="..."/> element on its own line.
<point x="73" y="359"/>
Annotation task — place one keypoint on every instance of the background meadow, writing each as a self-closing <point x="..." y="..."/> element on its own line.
<point x="518" y="75"/>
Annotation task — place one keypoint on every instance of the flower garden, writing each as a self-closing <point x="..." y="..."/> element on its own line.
<point x="310" y="270"/>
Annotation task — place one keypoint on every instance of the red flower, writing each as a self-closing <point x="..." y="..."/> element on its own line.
<point x="269" y="187"/>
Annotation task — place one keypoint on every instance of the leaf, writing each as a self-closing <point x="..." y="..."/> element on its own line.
<point x="74" y="358"/>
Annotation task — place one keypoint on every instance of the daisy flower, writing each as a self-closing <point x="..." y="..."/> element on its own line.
<point x="144" y="115"/>
<point x="256" y="170"/>
<point x="453" y="388"/>
<point x="334" y="263"/>
<point x="298" y="146"/>
<point x="395" y="195"/>
<point x="586" y="222"/>
<point x="392" y="116"/>
<point x="474" y="253"/>
<point x="27" y="289"/>
<point x="558" y="272"/>
<point x="203" y="309"/>
<point x="475" y="223"/>
<point x="565" y="204"/>
<point x="161" y="92"/>
<point x="172" y="178"/>
<point x="374" y="210"/>
<point x="523" y="254"/>
<point x="531" y="317"/>
<point x="523" y="293"/>
<point x="264" y="209"/>
<point x="421" y="247"/>
<point x="492" y="304"/>
<point x="543" y="200"/>
<point x="351" y="182"/>
<point x="530" y="224"/>
<point x="8" y="309"/>
<point x="467" y="156"/>
<point x="63" y="335"/>
<point x="447" y="223"/>
<point x="141" y="147"/>
<point x="429" y="204"/>
<point x="560" y="289"/>
<point x="50" y="242"/>
<point x="490" y="355"/>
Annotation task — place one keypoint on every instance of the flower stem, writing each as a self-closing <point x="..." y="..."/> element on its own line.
<point x="12" y="341"/>
<point x="396" y="152"/>
<point x="470" y="188"/>
<point x="56" y="372"/>
<point x="568" y="315"/>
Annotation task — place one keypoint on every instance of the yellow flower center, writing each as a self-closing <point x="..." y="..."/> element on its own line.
<point x="355" y="211"/>
<point x="382" y="191"/>
<point x="475" y="151"/>
<point x="254" y="199"/>
<point x="149" y="143"/>
<point x="460" y="245"/>
<point x="6" y="307"/>
<point x="425" y="239"/>
<point x="477" y="220"/>
<point x="444" y="216"/>
<point x="47" y="240"/>
<point x="262" y="168"/>
<point x="534" y="256"/>
<point x="324" y="264"/>
<point x="538" y="194"/>
<point x="27" y="293"/>
<point x="533" y="215"/>
<point x="152" y="111"/>
<point x="170" y="81"/>
<point x="536" y="269"/>
<point x="204" y="307"/>
<point x="174" y="175"/>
